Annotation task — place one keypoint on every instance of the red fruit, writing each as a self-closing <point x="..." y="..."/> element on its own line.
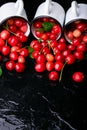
<point x="5" y="50"/>
<point x="56" y="29"/>
<point x="52" y="36"/>
<point x="76" y="41"/>
<point x="78" y="76"/>
<point x="53" y="43"/>
<point x="81" y="47"/>
<point x="62" y="40"/>
<point x="40" y="67"/>
<point x="22" y="37"/>
<point x="21" y="59"/>
<point x="10" y="65"/>
<point x="70" y="35"/>
<point x="4" y="34"/>
<point x="49" y="66"/>
<point x="37" y="46"/>
<point x="58" y="66"/>
<point x="59" y="57"/>
<point x="66" y="52"/>
<point x="44" y="36"/>
<point x="45" y="50"/>
<point x="41" y="58"/>
<point x="79" y="55"/>
<point x="35" y="54"/>
<point x="33" y="42"/>
<point x="15" y="48"/>
<point x="82" y="26"/>
<point x="53" y="76"/>
<point x="23" y="28"/>
<point x="13" y="28"/>
<point x="24" y="52"/>
<point x="62" y="46"/>
<point x="76" y="33"/>
<point x="49" y="57"/>
<point x="13" y="56"/>
<point x="70" y="59"/>
<point x="71" y="47"/>
<point x="18" y="22"/>
<point x="2" y="42"/>
<point x="84" y="39"/>
<point x="19" y="67"/>
<point x="38" y="24"/>
<point x="13" y="40"/>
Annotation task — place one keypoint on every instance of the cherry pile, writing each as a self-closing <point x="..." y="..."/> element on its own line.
<point x="53" y="55"/>
<point x="12" y="43"/>
<point x="46" y="28"/>
<point x="76" y="30"/>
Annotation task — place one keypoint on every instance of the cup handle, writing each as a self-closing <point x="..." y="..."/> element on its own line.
<point x="47" y="6"/>
<point x="74" y="6"/>
<point x="19" y="5"/>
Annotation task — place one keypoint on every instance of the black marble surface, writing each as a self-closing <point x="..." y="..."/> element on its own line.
<point x="29" y="101"/>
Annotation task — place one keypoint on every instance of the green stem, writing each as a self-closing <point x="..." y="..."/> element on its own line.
<point x="6" y="27"/>
<point x="61" y="73"/>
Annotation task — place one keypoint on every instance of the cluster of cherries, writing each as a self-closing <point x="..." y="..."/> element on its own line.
<point x="46" y="28"/>
<point x="12" y="44"/>
<point x="76" y="30"/>
<point x="52" y="55"/>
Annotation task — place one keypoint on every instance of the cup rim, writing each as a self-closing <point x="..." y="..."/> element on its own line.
<point x="45" y="16"/>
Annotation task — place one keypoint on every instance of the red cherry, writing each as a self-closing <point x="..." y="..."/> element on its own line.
<point x="84" y="39"/>
<point x="53" y="76"/>
<point x="58" y="66"/>
<point x="79" y="55"/>
<point x="18" y="22"/>
<point x="49" y="57"/>
<point x="78" y="76"/>
<point x="62" y="46"/>
<point x="4" y="34"/>
<point x="81" y="47"/>
<point x="10" y="65"/>
<point x="76" y="41"/>
<point x="19" y="67"/>
<point x="13" y="56"/>
<point x="24" y="52"/>
<point x="41" y="58"/>
<point x="37" y="24"/>
<point x="49" y="66"/>
<point x="2" y="42"/>
<point x="5" y="50"/>
<point x="82" y="26"/>
<point x="13" y="40"/>
<point x="40" y="67"/>
<point x="70" y="59"/>
<point x="21" y="59"/>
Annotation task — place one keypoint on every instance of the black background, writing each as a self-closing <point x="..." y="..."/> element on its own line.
<point x="42" y="104"/>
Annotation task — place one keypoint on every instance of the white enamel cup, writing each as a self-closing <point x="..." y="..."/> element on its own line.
<point x="49" y="9"/>
<point x="76" y="13"/>
<point x="14" y="9"/>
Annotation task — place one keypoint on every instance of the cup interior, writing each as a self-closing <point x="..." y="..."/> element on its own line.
<point x="16" y="23"/>
<point x="46" y="25"/>
<point x="75" y="29"/>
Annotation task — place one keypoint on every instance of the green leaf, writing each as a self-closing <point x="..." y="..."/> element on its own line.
<point x="30" y="49"/>
<point x="47" y="26"/>
<point x="0" y="71"/>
